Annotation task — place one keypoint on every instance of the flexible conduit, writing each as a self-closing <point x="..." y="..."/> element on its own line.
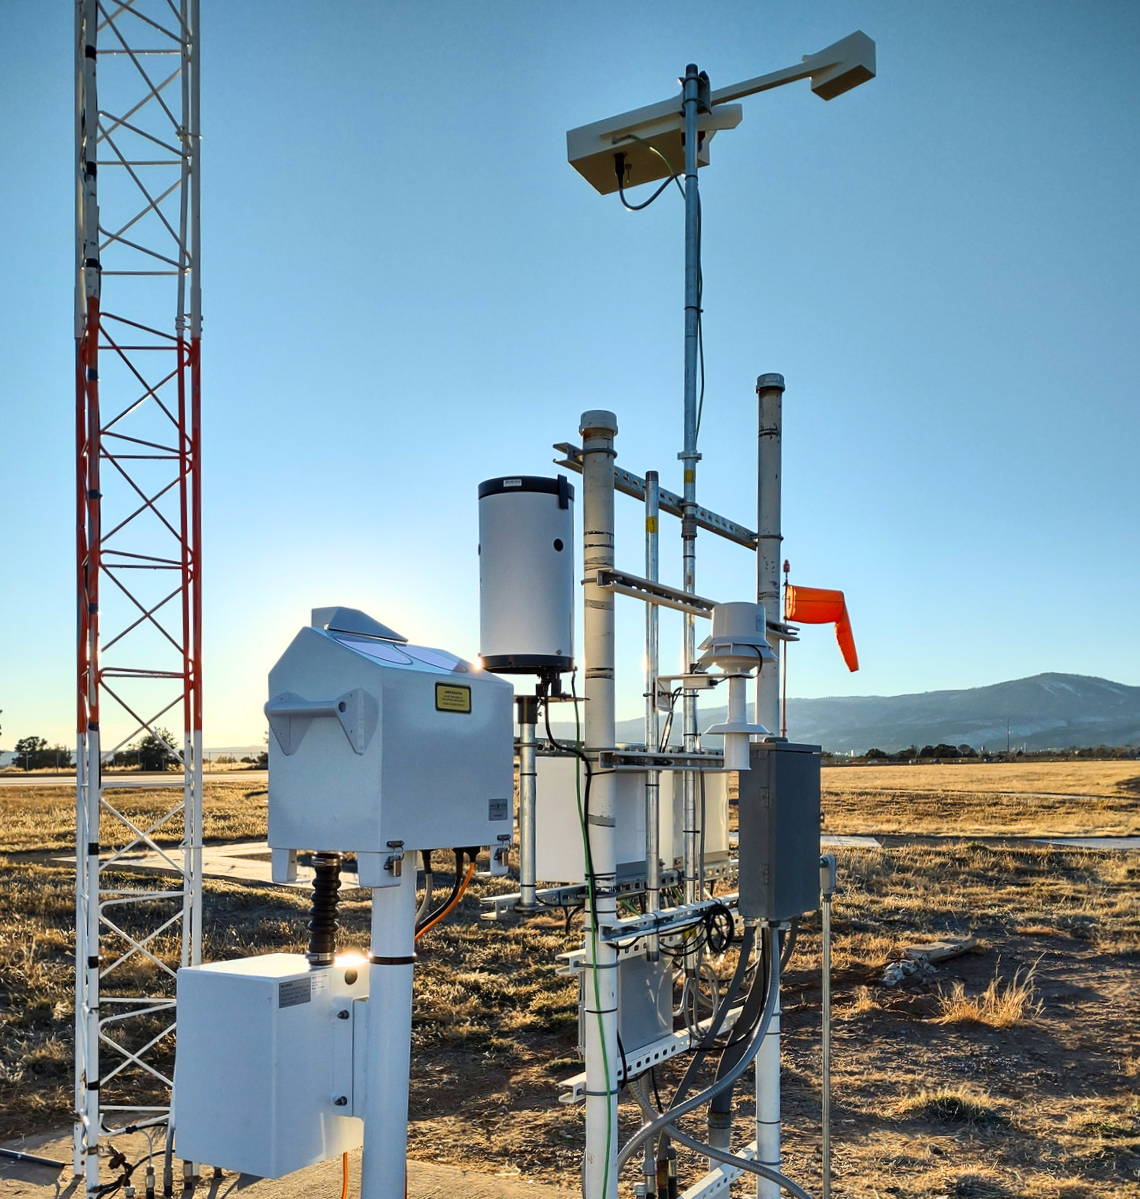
<point x="665" y="1120"/>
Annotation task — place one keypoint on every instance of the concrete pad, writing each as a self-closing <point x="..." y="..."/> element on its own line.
<point x="1120" y="843"/>
<point x="940" y="951"/>
<point x="241" y="861"/>
<point x="842" y="841"/>
<point x="426" y="1180"/>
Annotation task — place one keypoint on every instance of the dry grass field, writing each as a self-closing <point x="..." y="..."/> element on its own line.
<point x="1012" y="1073"/>
<point x="43" y="818"/>
<point x="1076" y="798"/>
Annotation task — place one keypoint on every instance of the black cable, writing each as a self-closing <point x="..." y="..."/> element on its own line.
<point x="719" y="941"/>
<point x="591" y="879"/>
<point x="624" y="1063"/>
<point x="720" y="1108"/>
<point x="716" y="931"/>
<point x="638" y="207"/>
<point x="571" y="912"/>
<point x="117" y="1161"/>
<point x="568" y="910"/>
<point x="695" y="946"/>
<point x="422" y="924"/>
<point x="753" y="1005"/>
<point x="789" y="943"/>
<point x="664" y="742"/>
<point x="619" y="169"/>
<point x="563" y="748"/>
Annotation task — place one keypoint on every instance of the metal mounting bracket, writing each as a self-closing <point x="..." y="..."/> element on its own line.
<point x="634" y="485"/>
<point x="290" y="716"/>
<point x="653" y="592"/>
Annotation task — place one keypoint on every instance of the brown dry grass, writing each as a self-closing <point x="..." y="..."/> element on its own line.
<point x="1003" y="1003"/>
<point x="962" y="1104"/>
<point x="495" y="1028"/>
<point x="1075" y="778"/>
<point x="43" y="818"/>
<point x="985" y="799"/>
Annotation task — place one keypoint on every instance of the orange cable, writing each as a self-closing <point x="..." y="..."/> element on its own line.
<point x="344" y="1176"/>
<point x="453" y="904"/>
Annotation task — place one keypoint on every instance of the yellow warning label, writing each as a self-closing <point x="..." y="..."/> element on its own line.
<point x="690" y="475"/>
<point x="451" y="697"/>
<point x="651" y="524"/>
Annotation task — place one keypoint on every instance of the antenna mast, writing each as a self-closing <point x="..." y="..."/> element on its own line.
<point x="138" y="495"/>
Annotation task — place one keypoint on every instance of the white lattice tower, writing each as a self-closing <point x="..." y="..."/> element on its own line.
<point x="138" y="493"/>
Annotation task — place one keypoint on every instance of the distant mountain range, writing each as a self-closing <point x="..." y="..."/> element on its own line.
<point x="1046" y="711"/>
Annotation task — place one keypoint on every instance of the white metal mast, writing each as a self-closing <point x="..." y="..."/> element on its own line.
<point x="138" y="499"/>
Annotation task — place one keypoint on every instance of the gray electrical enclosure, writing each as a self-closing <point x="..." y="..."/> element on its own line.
<point x="778" y="802"/>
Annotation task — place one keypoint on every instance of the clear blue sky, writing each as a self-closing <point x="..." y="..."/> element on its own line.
<point x="408" y="290"/>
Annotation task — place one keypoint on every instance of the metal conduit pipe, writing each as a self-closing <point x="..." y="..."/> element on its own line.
<point x="652" y="730"/>
<point x="691" y="104"/>
<point x="528" y="779"/>
<point x="724" y="1155"/>
<point x="720" y="1109"/>
<point x="666" y="1119"/>
<point x="747" y="942"/>
<point x="765" y="1174"/>
<point x="648" y="1157"/>
<point x="31" y="1159"/>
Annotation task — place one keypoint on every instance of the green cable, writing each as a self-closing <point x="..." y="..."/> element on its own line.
<point x="589" y="860"/>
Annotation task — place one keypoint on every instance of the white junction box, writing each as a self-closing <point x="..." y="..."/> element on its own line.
<point x="558" y="832"/>
<point x="374" y="741"/>
<point x="712" y="812"/>
<point x="265" y="1062"/>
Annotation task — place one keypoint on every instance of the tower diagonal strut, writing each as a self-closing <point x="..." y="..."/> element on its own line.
<point x="138" y="527"/>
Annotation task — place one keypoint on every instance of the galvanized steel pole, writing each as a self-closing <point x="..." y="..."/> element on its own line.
<point x="599" y="1171"/>
<point x="528" y="715"/>
<point x="769" y="393"/>
<point x="652" y="666"/>
<point x="769" y="397"/>
<point x="689" y="457"/>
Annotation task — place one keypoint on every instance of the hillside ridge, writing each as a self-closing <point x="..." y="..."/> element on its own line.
<point x="1051" y="710"/>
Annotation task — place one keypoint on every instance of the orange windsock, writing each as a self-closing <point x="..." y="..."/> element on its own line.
<point x="816" y="605"/>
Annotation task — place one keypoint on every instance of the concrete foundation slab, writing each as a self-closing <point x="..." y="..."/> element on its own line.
<point x="242" y="861"/>
<point x="426" y="1180"/>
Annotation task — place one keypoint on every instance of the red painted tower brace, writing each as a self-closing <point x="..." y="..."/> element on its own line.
<point x="139" y="504"/>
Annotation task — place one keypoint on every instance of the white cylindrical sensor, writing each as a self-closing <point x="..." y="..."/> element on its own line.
<point x="526" y="574"/>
